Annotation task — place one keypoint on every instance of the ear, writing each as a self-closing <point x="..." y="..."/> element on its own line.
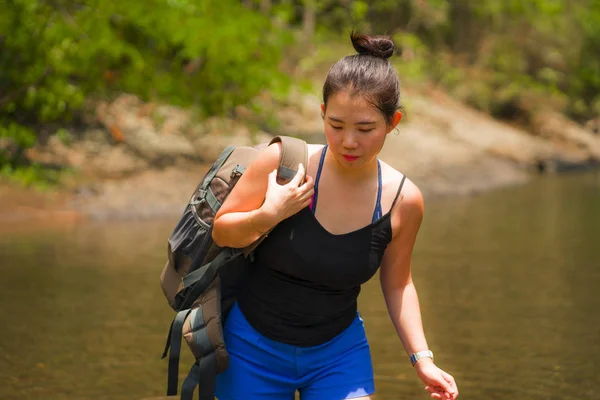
<point x="323" y="109"/>
<point x="395" y="121"/>
<point x="397" y="118"/>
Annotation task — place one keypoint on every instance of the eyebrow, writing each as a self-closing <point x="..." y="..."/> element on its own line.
<point x="358" y="123"/>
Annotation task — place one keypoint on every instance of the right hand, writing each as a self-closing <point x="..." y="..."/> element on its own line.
<point x="283" y="201"/>
<point x="439" y="384"/>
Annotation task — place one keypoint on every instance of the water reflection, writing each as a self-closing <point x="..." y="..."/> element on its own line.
<point x="508" y="284"/>
<point x="86" y="318"/>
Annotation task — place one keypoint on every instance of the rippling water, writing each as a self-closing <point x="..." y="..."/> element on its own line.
<point x="509" y="284"/>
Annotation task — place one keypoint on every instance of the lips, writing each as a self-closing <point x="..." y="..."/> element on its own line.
<point x="350" y="158"/>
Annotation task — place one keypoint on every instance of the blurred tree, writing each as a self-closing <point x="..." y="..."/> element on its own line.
<point x="548" y="49"/>
<point x="265" y="6"/>
<point x="500" y="56"/>
<point x="58" y="53"/>
<point x="308" y="19"/>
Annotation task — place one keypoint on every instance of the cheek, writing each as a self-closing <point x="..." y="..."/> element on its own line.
<point x="333" y="136"/>
<point x="373" y="142"/>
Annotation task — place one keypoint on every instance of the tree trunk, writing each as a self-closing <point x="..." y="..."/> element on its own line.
<point x="308" y="20"/>
<point x="265" y="6"/>
<point x="468" y="30"/>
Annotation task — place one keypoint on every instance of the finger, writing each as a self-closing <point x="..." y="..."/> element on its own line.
<point x="306" y="203"/>
<point x="307" y="189"/>
<point x="297" y="179"/>
<point x="309" y="182"/>
<point x="434" y="389"/>
<point x="443" y="384"/>
<point x="455" y="394"/>
<point x="431" y="389"/>
<point x="449" y="378"/>
<point x="308" y="194"/>
<point x="450" y="382"/>
<point x="304" y="191"/>
<point x="442" y="393"/>
<point x="307" y="197"/>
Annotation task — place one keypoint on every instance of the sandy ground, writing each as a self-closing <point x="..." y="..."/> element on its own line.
<point x="150" y="194"/>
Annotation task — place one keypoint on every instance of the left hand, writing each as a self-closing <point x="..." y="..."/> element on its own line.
<point x="439" y="384"/>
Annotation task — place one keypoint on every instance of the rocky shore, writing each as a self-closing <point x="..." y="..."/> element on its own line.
<point x="140" y="160"/>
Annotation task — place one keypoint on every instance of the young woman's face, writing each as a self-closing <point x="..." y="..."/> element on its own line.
<point x="355" y="129"/>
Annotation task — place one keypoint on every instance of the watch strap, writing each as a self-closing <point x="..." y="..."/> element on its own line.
<point x="419" y="355"/>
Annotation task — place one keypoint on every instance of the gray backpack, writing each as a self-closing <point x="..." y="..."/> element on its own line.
<point x="200" y="279"/>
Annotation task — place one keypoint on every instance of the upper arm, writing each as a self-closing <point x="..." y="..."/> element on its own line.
<point x="406" y="221"/>
<point x="249" y="192"/>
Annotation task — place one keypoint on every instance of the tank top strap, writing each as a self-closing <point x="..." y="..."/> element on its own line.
<point x="399" y="190"/>
<point x="313" y="203"/>
<point x="378" y="213"/>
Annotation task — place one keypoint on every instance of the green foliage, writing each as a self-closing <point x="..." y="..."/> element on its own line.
<point x="64" y="136"/>
<point x="20" y="135"/>
<point x="57" y="53"/>
<point x="545" y="48"/>
<point x="32" y="175"/>
<point x="218" y="54"/>
<point x="415" y="64"/>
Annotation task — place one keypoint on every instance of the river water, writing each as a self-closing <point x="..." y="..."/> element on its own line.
<point x="509" y="284"/>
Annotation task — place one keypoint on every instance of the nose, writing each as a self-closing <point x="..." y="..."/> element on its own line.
<point x="349" y="140"/>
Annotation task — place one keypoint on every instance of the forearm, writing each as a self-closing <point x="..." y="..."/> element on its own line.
<point x="241" y="229"/>
<point x="404" y="310"/>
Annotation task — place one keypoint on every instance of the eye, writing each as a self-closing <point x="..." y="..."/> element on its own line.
<point x="337" y="128"/>
<point x="366" y="130"/>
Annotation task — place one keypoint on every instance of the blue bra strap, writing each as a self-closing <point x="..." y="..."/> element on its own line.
<point x="316" y="195"/>
<point x="378" y="213"/>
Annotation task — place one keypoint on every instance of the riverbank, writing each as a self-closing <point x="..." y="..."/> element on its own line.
<point x="142" y="161"/>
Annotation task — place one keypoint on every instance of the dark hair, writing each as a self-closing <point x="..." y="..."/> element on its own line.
<point x="368" y="73"/>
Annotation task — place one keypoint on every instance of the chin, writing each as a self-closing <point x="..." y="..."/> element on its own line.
<point x="357" y="164"/>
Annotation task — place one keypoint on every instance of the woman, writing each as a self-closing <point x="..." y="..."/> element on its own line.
<point x="295" y="326"/>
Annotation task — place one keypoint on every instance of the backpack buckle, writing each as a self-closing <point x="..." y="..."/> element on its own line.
<point x="238" y="170"/>
<point x="197" y="199"/>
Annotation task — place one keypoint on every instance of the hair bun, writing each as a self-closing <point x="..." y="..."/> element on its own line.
<point x="376" y="46"/>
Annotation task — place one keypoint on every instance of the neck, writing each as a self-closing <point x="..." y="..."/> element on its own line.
<point x="359" y="174"/>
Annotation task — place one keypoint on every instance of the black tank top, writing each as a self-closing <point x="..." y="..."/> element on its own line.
<point x="304" y="287"/>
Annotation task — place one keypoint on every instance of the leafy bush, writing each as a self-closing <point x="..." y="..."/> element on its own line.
<point x="58" y="53"/>
<point x="548" y="48"/>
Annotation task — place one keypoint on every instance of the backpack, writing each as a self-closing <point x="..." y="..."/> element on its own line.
<point x="200" y="279"/>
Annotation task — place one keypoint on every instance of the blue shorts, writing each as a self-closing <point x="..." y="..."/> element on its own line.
<point x="261" y="368"/>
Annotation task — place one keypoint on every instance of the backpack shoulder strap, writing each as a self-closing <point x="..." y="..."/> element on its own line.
<point x="293" y="152"/>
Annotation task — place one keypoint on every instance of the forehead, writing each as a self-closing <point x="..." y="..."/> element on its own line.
<point x="344" y="105"/>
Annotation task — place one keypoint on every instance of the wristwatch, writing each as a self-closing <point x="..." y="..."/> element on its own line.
<point x="420" y="354"/>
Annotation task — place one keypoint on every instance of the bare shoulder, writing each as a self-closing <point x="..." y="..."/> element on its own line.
<point x="314" y="154"/>
<point x="314" y="150"/>
<point x="409" y="208"/>
<point x="268" y="159"/>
